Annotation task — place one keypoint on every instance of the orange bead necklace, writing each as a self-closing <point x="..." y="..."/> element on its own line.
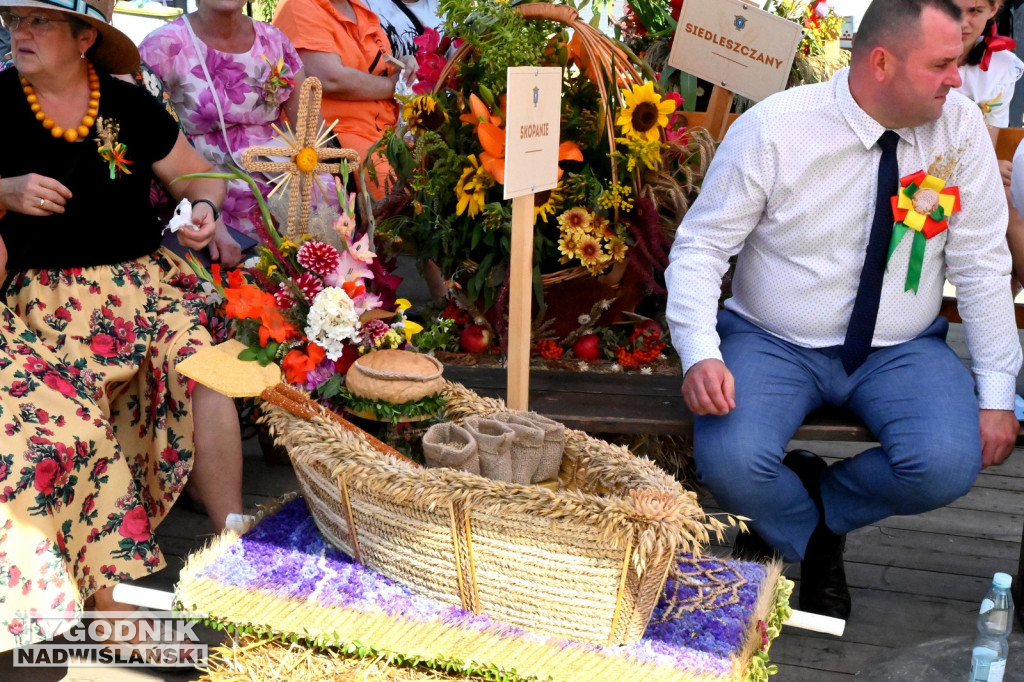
<point x="69" y="134"/>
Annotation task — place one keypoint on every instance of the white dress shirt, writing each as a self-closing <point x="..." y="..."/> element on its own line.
<point x="792" y="191"/>
<point x="994" y="87"/>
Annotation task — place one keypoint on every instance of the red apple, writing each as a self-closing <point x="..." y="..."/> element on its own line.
<point x="475" y="338"/>
<point x="587" y="347"/>
<point x="647" y="325"/>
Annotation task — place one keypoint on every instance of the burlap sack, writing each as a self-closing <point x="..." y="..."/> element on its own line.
<point x="449" y="445"/>
<point x="494" y="445"/>
<point x="526" y="448"/>
<point x="551" y="450"/>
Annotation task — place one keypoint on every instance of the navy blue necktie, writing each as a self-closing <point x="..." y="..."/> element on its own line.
<point x="865" y="308"/>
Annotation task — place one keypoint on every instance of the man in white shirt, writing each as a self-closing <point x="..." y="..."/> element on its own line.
<point x="793" y="191"/>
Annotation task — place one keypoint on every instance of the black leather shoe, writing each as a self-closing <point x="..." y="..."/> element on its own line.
<point x="823" y="588"/>
<point x="750" y="546"/>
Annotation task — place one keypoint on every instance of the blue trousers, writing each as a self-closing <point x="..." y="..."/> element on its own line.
<point x="916" y="397"/>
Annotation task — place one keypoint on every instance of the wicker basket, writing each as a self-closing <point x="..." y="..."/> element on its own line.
<point x="586" y="562"/>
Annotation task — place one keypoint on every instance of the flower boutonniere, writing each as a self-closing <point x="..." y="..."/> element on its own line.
<point x="112" y="151"/>
<point x="923" y="207"/>
<point x="276" y="79"/>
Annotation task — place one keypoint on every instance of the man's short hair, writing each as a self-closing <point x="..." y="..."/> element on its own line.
<point x="885" y="23"/>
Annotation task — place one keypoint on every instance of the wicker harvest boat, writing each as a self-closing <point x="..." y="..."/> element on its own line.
<point x="586" y="562"/>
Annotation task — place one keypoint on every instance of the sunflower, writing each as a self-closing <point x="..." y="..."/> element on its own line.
<point x="472" y="188"/>
<point x="576" y="219"/>
<point x="644" y="113"/>
<point x="547" y="203"/>
<point x="424" y="113"/>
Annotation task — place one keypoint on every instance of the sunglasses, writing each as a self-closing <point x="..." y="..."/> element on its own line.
<point x="11" y="21"/>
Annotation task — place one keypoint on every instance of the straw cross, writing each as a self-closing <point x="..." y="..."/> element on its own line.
<point x="307" y="156"/>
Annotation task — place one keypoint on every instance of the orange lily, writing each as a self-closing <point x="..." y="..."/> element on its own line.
<point x="478" y="112"/>
<point x="492" y="139"/>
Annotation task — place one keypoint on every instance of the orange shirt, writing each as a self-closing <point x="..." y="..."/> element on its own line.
<point x="317" y="26"/>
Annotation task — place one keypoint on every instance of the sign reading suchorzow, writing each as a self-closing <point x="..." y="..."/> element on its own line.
<point x="735" y="45"/>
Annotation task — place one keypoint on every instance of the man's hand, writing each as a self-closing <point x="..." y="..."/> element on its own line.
<point x="998" y="435"/>
<point x="708" y="388"/>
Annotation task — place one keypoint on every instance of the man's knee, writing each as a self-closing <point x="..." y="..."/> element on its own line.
<point x="937" y="475"/>
<point x="735" y="475"/>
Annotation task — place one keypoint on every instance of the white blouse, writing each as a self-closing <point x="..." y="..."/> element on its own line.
<point x="992" y="90"/>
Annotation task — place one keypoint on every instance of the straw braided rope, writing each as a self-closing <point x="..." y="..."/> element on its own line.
<point x="528" y="656"/>
<point x="309" y="134"/>
<point x="550" y="561"/>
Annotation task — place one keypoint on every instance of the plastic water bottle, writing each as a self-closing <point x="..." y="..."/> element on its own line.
<point x="995" y="622"/>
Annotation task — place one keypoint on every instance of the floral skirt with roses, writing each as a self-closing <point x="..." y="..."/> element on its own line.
<point x="97" y="429"/>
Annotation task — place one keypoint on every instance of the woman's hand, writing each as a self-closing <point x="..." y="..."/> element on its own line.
<point x="199" y="234"/>
<point x="1006" y="171"/>
<point x="411" y="67"/>
<point x="224" y="249"/>
<point x="33" y="194"/>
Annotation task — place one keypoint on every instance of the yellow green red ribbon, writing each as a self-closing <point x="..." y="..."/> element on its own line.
<point x="923" y="206"/>
<point x="114" y="156"/>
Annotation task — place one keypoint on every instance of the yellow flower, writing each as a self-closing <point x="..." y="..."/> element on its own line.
<point x="590" y="253"/>
<point x="402" y="303"/>
<point x="472" y="188"/>
<point x="575" y="220"/>
<point x="424" y="113"/>
<point x="644" y="113"/>
<point x="616" y="196"/>
<point x="617" y="250"/>
<point x="411" y="329"/>
<point x="547" y="203"/>
<point x="306" y="159"/>
<point x="567" y="246"/>
<point x="288" y="247"/>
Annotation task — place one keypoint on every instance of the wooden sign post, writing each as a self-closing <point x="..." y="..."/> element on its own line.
<point x="738" y="47"/>
<point x="532" y="129"/>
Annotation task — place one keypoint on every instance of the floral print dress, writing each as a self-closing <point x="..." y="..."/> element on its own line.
<point x="95" y="428"/>
<point x="244" y="85"/>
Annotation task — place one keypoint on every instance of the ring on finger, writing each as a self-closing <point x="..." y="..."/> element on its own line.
<point x="41" y="202"/>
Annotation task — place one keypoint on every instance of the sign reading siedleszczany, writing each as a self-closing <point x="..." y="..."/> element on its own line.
<point x="735" y="45"/>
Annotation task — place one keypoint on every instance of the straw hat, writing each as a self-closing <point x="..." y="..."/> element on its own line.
<point x="114" y="52"/>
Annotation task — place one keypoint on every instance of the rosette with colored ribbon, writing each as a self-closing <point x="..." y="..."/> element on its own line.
<point x="923" y="207"/>
<point x="114" y="156"/>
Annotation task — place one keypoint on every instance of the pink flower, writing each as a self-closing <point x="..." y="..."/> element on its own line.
<point x="104" y="345"/>
<point x="317" y="257"/>
<point x="135" y="524"/>
<point x="14" y="577"/>
<point x="45" y="475"/>
<point x="60" y="384"/>
<point x="309" y="284"/>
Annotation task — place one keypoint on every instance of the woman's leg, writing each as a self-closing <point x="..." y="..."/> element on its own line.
<point x="216" y="478"/>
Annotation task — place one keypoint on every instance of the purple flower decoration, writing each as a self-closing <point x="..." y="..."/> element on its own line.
<point x="285" y="555"/>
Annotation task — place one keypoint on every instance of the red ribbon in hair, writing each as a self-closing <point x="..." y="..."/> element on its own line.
<point x="994" y="43"/>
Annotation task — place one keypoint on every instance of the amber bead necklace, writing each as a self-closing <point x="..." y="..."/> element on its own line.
<point x="69" y="134"/>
